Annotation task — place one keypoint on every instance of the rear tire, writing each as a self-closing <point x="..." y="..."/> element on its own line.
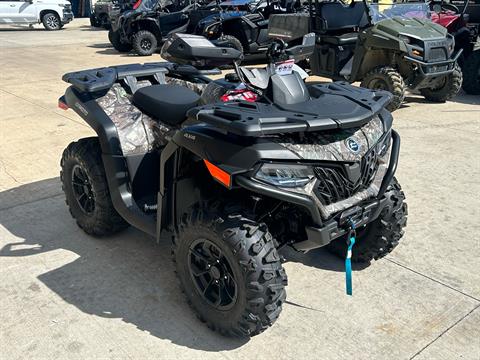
<point x="116" y="41"/>
<point x="85" y="186"/>
<point x="144" y="43"/>
<point x="252" y="281"/>
<point x="386" y="78"/>
<point x="448" y="90"/>
<point x="381" y="236"/>
<point x="471" y="74"/>
<point x="51" y="21"/>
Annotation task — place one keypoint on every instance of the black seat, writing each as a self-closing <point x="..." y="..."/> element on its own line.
<point x="344" y="39"/>
<point x="167" y="103"/>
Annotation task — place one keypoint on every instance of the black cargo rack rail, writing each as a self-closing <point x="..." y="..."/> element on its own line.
<point x="93" y="80"/>
<point x="322" y="112"/>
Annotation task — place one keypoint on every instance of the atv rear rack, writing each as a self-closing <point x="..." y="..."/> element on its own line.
<point x="101" y="79"/>
<point x="334" y="106"/>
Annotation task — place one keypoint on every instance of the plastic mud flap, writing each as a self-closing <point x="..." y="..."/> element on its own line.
<point x="333" y="229"/>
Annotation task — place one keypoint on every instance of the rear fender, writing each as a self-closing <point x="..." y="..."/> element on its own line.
<point x="119" y="184"/>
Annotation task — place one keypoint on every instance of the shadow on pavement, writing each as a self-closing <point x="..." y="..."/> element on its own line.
<point x="126" y="276"/>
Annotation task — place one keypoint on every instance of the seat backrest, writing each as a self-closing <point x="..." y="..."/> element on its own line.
<point x="337" y="16"/>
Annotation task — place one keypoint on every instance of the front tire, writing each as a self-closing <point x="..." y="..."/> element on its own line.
<point x="381" y="236"/>
<point x="386" y="78"/>
<point x="471" y="74"/>
<point x="229" y="269"/>
<point x="85" y="186"/>
<point x="144" y="43"/>
<point x="51" y="21"/>
<point x="117" y="43"/>
<point x="447" y="91"/>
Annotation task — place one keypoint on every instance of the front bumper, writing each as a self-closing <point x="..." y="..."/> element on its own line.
<point x="67" y="17"/>
<point x="429" y="72"/>
<point x="321" y="233"/>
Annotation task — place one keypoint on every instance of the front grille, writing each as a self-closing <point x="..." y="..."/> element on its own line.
<point x="334" y="183"/>
<point x="437" y="54"/>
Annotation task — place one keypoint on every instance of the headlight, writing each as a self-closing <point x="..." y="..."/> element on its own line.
<point x="285" y="175"/>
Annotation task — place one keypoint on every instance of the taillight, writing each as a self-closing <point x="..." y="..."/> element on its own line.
<point x="62" y="105"/>
<point x="137" y="4"/>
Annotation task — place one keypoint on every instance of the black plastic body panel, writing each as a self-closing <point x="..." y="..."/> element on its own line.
<point x="332" y="106"/>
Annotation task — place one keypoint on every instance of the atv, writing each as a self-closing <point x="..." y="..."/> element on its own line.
<point x="233" y="181"/>
<point x="389" y="45"/>
<point x="466" y="34"/>
<point x="247" y="32"/>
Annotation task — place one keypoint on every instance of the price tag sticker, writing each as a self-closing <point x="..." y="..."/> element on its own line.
<point x="284" y="67"/>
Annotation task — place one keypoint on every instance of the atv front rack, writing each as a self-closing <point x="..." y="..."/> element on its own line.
<point x="333" y="106"/>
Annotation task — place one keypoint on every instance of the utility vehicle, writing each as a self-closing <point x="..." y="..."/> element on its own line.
<point x="389" y="45"/>
<point x="150" y="22"/>
<point x="455" y="18"/>
<point x="233" y="181"/>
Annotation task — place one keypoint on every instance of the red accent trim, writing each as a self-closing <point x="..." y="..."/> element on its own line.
<point x="62" y="105"/>
<point x="137" y="4"/>
<point x="218" y="174"/>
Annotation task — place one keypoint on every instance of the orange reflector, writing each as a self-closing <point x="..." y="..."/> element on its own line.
<point x="218" y="174"/>
<point x="417" y="52"/>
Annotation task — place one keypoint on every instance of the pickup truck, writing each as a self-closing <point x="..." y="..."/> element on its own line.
<point x="54" y="14"/>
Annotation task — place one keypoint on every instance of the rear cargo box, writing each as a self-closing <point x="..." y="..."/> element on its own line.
<point x="289" y="26"/>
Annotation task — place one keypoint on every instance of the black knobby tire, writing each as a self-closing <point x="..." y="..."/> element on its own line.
<point x="450" y="87"/>
<point x="117" y="43"/>
<point x="84" y="158"/>
<point x="212" y="93"/>
<point x="471" y="74"/>
<point x="93" y="20"/>
<point x="51" y="21"/>
<point x="382" y="235"/>
<point x="144" y="43"/>
<point x="231" y="42"/>
<point x="252" y="257"/>
<point x="386" y="78"/>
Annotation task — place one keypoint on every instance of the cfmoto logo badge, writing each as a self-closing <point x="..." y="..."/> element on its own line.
<point x="353" y="145"/>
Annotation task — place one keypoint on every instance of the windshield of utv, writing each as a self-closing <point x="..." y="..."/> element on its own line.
<point x="387" y="9"/>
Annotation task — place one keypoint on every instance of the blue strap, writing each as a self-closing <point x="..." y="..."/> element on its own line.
<point x="348" y="265"/>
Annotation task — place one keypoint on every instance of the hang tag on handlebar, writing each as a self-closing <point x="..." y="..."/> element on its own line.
<point x="284" y="67"/>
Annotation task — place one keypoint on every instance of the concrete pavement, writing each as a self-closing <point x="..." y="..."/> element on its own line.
<point x="66" y="295"/>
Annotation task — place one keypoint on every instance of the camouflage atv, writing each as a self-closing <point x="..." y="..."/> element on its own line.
<point x="389" y="46"/>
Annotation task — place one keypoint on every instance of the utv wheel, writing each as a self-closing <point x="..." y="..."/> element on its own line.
<point x="51" y="21"/>
<point x="212" y="93"/>
<point x="144" y="43"/>
<point x="117" y="43"/>
<point x="381" y="236"/>
<point x="450" y="87"/>
<point x="386" y="78"/>
<point x="231" y="42"/>
<point x="471" y="74"/>
<point x="229" y="269"/>
<point x="85" y="186"/>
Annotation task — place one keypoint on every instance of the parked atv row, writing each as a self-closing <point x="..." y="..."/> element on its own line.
<point x="240" y="24"/>
<point x="233" y="170"/>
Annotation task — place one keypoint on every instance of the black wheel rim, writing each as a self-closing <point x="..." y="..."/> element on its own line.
<point x="212" y="274"/>
<point x="145" y="44"/>
<point x="82" y="190"/>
